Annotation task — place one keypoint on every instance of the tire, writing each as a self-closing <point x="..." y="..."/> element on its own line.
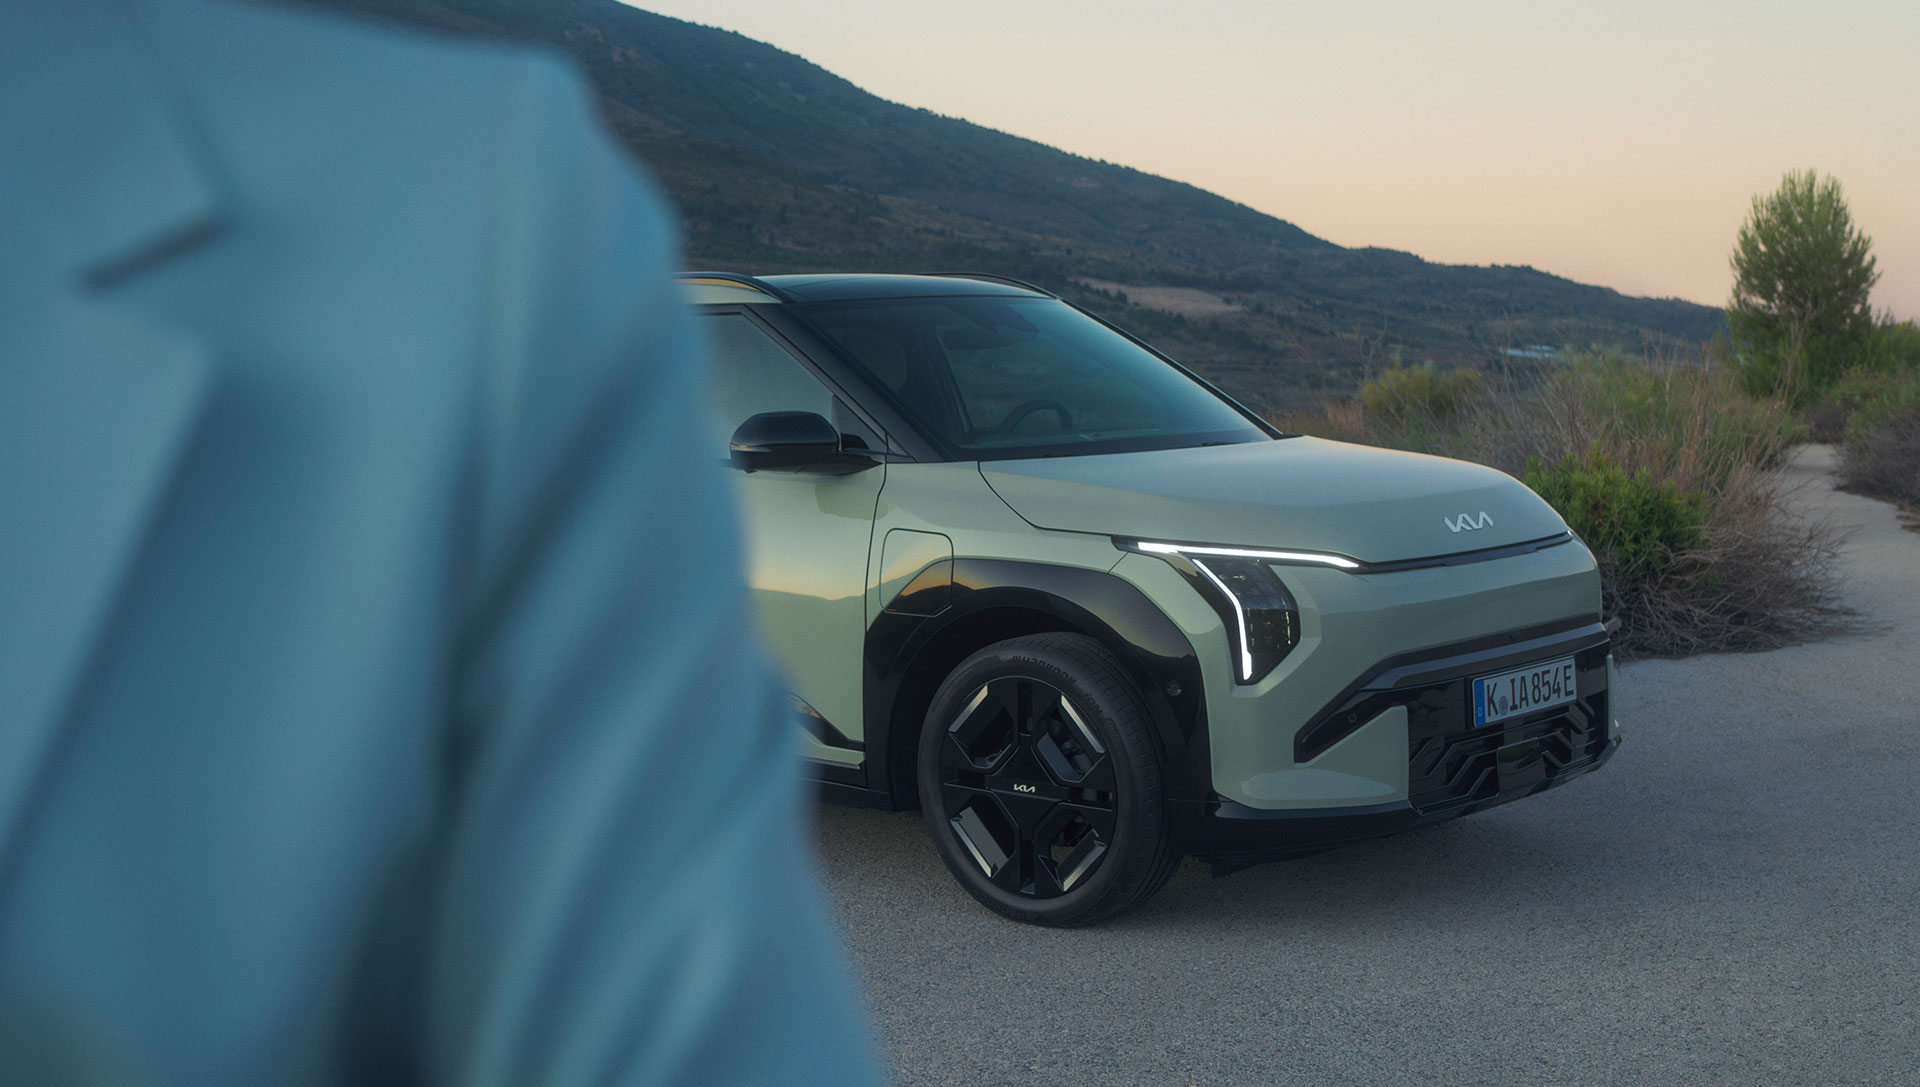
<point x="1040" y="782"/>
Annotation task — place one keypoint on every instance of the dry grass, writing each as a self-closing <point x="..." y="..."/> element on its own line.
<point x="1761" y="578"/>
<point x="1756" y="575"/>
<point x="1882" y="460"/>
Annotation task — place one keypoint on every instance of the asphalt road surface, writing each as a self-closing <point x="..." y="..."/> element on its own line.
<point x="1735" y="899"/>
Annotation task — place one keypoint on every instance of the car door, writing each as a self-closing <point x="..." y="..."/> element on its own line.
<point x="808" y="536"/>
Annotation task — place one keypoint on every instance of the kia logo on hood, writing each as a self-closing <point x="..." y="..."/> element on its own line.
<point x="1466" y="522"/>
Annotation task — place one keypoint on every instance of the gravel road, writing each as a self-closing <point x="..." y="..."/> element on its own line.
<point x="1733" y="900"/>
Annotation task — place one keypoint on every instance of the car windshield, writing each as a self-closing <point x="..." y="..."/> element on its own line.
<point x="990" y="378"/>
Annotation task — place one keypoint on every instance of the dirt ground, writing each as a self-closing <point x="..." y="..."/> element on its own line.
<point x="1185" y="301"/>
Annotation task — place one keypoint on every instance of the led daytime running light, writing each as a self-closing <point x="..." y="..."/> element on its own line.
<point x="1303" y="557"/>
<point x="1239" y="615"/>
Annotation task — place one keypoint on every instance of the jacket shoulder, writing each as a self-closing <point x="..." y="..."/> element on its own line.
<point x="368" y="77"/>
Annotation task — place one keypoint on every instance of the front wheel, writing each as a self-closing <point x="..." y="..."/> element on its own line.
<point x="1040" y="782"/>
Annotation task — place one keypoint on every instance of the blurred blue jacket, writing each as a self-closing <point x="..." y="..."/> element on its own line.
<point x="376" y="701"/>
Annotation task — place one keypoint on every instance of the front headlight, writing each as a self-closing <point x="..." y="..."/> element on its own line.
<point x="1261" y="617"/>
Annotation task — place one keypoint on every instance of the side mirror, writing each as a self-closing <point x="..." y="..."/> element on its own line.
<point x="794" y="441"/>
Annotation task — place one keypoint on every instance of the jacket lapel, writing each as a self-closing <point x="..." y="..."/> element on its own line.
<point x="101" y="181"/>
<point x="91" y="429"/>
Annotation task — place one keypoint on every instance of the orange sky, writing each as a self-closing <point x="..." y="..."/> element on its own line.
<point x="1614" y="143"/>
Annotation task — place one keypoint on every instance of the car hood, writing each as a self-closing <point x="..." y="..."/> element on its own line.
<point x="1376" y="505"/>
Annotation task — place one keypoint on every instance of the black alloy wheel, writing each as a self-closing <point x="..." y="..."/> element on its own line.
<point x="1040" y="782"/>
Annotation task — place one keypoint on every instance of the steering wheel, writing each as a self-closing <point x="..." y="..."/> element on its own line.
<point x="1028" y="407"/>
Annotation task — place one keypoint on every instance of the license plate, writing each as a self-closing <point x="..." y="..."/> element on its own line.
<point x="1523" y="690"/>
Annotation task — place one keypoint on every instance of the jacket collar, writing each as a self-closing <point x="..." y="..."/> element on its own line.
<point x="98" y="145"/>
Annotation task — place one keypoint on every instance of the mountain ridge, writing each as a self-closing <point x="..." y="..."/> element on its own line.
<point x="780" y="165"/>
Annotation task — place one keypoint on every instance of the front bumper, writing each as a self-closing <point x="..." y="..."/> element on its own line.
<point x="1453" y="768"/>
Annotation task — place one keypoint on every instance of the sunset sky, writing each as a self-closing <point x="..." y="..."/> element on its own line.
<point x="1615" y="143"/>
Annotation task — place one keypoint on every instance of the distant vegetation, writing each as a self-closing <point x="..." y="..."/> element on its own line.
<point x="1804" y="333"/>
<point x="1874" y="412"/>
<point x="1799" y="315"/>
<point x="778" y="165"/>
<point x="1662" y="466"/>
<point x="1656" y="448"/>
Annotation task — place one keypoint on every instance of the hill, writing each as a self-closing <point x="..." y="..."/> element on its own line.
<point x="780" y="165"/>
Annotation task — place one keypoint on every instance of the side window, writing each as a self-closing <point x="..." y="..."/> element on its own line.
<point x="752" y="373"/>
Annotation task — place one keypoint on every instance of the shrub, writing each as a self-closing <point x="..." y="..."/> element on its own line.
<point x="1664" y="468"/>
<point x="1688" y="572"/>
<point x="1690" y="423"/>
<point x="1338" y="420"/>
<point x="1872" y="397"/>
<point x="1862" y="399"/>
<point x="1641" y="526"/>
<point x="1826" y="421"/>
<point x="1419" y="394"/>
<point x="1886" y="383"/>
<point x="1895" y="346"/>
<point x="1881" y="457"/>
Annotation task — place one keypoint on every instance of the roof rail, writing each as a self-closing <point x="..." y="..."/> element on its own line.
<point x="736" y="279"/>
<point x="991" y="278"/>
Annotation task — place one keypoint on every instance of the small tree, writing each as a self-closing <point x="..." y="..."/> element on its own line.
<point x="1801" y="276"/>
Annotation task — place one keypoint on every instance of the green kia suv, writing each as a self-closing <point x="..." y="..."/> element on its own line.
<point x="1091" y="616"/>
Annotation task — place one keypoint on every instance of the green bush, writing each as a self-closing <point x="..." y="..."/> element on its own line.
<point x="1636" y="525"/>
<point x="1403" y="394"/>
<point x="1891" y="350"/>
<point x="1662" y="466"/>
<point x="1895" y="347"/>
<point x="1886" y="383"/>
<point x="1690" y="422"/>
<point x="1865" y="397"/>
